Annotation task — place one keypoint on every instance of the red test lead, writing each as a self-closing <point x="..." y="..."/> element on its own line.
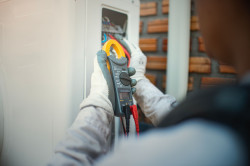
<point x="133" y="109"/>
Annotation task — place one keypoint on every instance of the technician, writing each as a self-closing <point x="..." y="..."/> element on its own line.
<point x="208" y="129"/>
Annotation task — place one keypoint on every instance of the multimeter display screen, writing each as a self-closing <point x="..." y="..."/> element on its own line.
<point x="124" y="95"/>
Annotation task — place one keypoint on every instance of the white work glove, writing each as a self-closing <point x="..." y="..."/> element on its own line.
<point x="102" y="90"/>
<point x="154" y="104"/>
<point x="138" y="59"/>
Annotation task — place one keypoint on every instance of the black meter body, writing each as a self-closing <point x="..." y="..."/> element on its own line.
<point x="121" y="82"/>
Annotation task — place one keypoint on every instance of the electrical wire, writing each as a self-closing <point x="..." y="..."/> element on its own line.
<point x="134" y="112"/>
<point x="105" y="38"/>
<point x="126" y="111"/>
<point x="123" y="127"/>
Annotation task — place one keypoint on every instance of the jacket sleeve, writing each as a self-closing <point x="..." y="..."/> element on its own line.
<point x="86" y="140"/>
<point x="152" y="101"/>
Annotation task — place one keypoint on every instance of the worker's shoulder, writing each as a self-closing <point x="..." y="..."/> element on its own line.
<point x="225" y="104"/>
<point x="222" y="91"/>
<point x="236" y="94"/>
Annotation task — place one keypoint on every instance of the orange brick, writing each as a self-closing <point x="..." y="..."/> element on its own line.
<point x="157" y="58"/>
<point x="199" y="65"/>
<point x="227" y="69"/>
<point x="148" y="41"/>
<point x="200" y="39"/>
<point x="194" y="23"/>
<point x="190" y="83"/>
<point x="164" y="45"/>
<point x="156" y="66"/>
<point x="148" y="5"/>
<point x="158" y="29"/>
<point x="152" y="78"/>
<point x="148" y="48"/>
<point x="165" y="6"/>
<point x="165" y="2"/>
<point x="158" y="22"/>
<point x="158" y="26"/>
<point x="195" y="27"/>
<point x="148" y="12"/>
<point x="196" y="64"/>
<point x="148" y="44"/>
<point x="201" y="45"/>
<point x="156" y="62"/>
<point x="200" y="68"/>
<point x="194" y="19"/>
<point x="148" y="9"/>
<point x="202" y="48"/>
<point x="199" y="60"/>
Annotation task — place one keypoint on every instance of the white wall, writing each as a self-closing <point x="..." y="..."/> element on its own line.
<point x="37" y="64"/>
<point x="46" y="57"/>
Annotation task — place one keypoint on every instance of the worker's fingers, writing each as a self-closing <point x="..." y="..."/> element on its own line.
<point x="133" y="90"/>
<point x="131" y="71"/>
<point x="102" y="58"/>
<point x="133" y="82"/>
<point x="119" y="38"/>
<point x="102" y="62"/>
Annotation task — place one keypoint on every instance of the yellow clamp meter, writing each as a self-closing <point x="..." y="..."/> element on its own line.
<point x="118" y="68"/>
<point x="121" y="81"/>
<point x="118" y="48"/>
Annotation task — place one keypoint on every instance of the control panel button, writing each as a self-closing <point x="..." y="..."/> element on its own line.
<point x="125" y="79"/>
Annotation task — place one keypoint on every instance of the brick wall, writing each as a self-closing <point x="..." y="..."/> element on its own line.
<point x="203" y="71"/>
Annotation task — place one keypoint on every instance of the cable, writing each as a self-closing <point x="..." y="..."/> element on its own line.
<point x="126" y="110"/>
<point x="134" y="112"/>
<point x="124" y="131"/>
<point x="105" y="38"/>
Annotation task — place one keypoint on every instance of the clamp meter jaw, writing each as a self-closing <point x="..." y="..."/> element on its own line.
<point x="121" y="82"/>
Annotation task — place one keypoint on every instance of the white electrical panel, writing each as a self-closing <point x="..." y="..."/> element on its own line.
<point x="113" y="22"/>
<point x="47" y="49"/>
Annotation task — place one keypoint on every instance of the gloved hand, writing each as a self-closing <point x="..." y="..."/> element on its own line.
<point x="138" y="59"/>
<point x="102" y="90"/>
<point x="152" y="101"/>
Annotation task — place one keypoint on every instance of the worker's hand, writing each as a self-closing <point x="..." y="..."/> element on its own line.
<point x="101" y="81"/>
<point x="138" y="59"/>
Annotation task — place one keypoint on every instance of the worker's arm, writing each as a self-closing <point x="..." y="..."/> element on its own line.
<point x="87" y="138"/>
<point x="152" y="101"/>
